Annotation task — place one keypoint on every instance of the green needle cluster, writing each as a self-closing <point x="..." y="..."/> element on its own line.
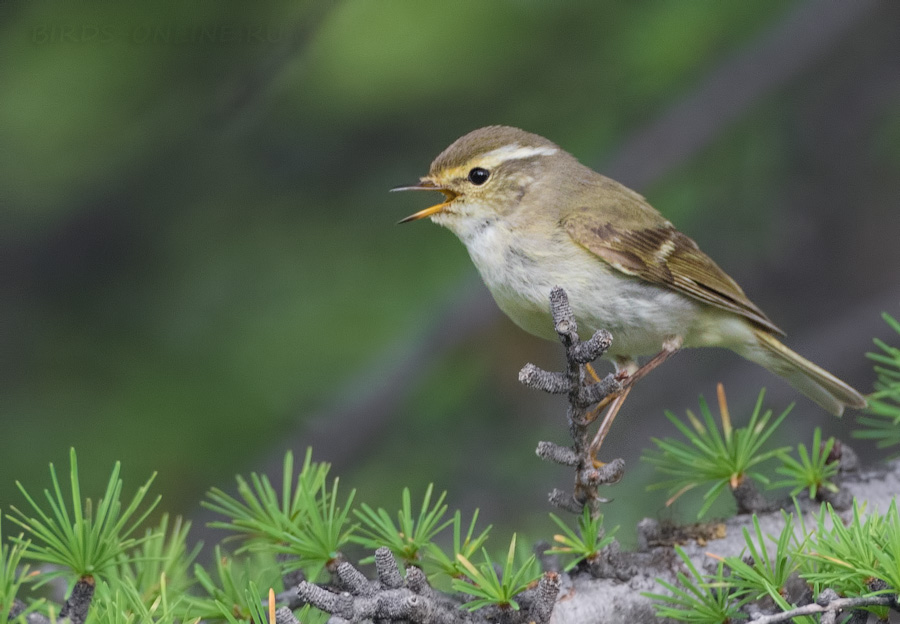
<point x="882" y="420"/>
<point x="490" y="587"/>
<point x="83" y="539"/>
<point x="720" y="459"/>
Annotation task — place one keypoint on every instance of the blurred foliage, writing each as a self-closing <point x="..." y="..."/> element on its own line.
<point x="197" y="249"/>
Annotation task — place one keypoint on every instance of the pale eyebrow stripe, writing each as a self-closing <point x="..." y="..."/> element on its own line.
<point x="514" y="151"/>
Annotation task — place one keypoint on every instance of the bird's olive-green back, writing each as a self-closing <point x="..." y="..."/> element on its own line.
<point x="619" y="227"/>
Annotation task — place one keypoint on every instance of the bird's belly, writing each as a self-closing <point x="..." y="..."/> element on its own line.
<point x="640" y="316"/>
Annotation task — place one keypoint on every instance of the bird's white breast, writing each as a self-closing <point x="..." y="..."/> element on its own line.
<point x="520" y="270"/>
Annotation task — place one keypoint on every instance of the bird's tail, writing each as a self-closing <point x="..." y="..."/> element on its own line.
<point x="819" y="385"/>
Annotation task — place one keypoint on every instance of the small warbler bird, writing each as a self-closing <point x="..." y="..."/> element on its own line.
<point x="532" y="217"/>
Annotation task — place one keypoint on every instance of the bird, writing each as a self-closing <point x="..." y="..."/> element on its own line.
<point x="533" y="217"/>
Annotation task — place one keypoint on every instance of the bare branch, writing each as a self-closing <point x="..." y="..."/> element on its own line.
<point x="283" y="615"/>
<point x="830" y="606"/>
<point x="582" y="394"/>
<point x="79" y="601"/>
<point x="545" y="598"/>
<point x="386" y="568"/>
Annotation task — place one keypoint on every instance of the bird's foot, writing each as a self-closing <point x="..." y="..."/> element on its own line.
<point x="628" y="376"/>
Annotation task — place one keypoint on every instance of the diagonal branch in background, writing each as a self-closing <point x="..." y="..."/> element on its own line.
<point x="804" y="36"/>
<point x="244" y="90"/>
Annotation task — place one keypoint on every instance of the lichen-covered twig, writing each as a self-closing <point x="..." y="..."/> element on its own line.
<point x="291" y="578"/>
<point x="79" y="601"/>
<point x="32" y="617"/>
<point x="583" y="395"/>
<point x="829" y="604"/>
<point x="391" y="598"/>
<point x="283" y="615"/>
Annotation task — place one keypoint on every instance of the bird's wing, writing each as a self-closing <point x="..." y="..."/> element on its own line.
<point x="644" y="245"/>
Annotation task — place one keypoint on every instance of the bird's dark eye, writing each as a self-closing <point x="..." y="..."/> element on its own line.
<point x="479" y="176"/>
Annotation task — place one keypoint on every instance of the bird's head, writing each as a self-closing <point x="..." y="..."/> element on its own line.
<point x="486" y="174"/>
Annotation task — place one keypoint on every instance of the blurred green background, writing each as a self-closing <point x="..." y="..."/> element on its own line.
<point x="200" y="267"/>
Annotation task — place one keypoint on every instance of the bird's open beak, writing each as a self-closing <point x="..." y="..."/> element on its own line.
<point x="427" y="185"/>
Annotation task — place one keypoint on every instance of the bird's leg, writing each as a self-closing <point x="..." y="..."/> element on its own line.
<point x="598" y="408"/>
<point x="605" y="425"/>
<point x="670" y="347"/>
<point x="592" y="373"/>
<point x="624" y="368"/>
